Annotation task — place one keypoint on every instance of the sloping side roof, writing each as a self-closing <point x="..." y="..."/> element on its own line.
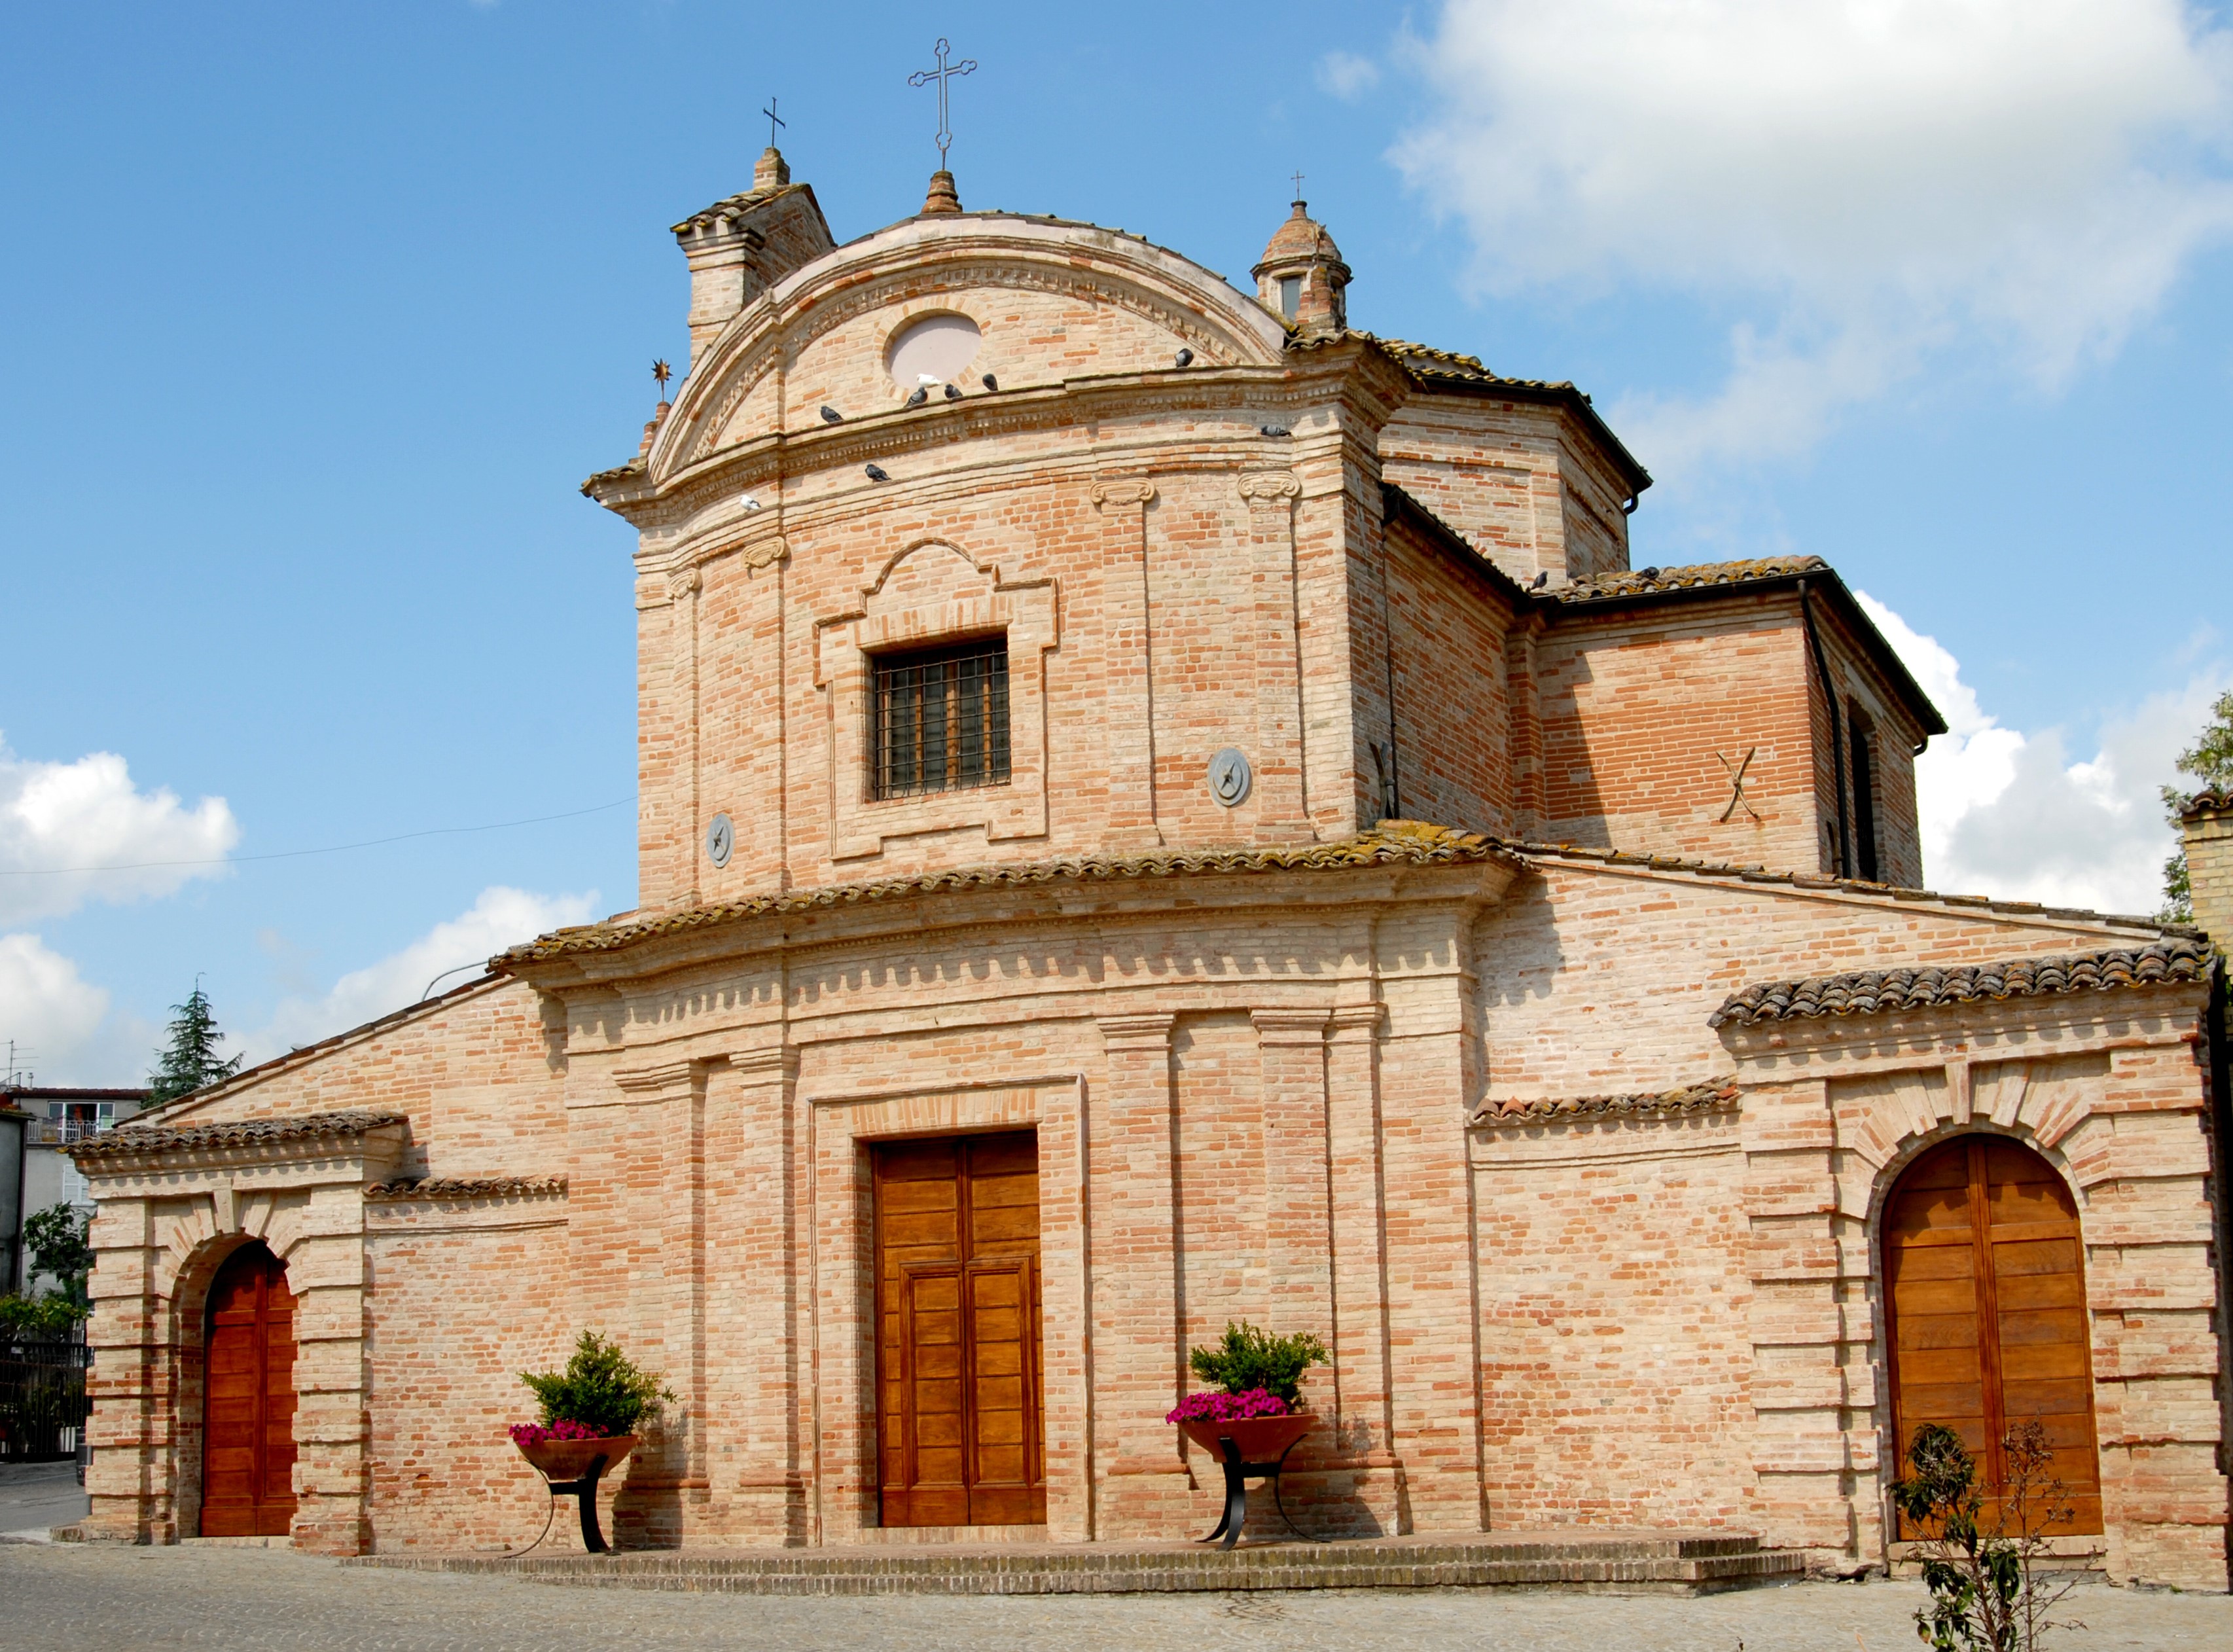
<point x="1715" y="1095"/>
<point x="461" y="1188"/>
<point x="1873" y="992"/>
<point x="1447" y="370"/>
<point x="1694" y="581"/>
<point x="135" y="1141"/>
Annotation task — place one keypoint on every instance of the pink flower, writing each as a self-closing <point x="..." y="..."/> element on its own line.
<point x="1229" y="1408"/>
<point x="534" y="1433"/>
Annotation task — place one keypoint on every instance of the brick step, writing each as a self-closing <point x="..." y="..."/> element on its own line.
<point x="1681" y="1562"/>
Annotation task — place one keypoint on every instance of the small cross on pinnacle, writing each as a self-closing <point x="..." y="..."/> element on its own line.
<point x="942" y="73"/>
<point x="1298" y="186"/>
<point x="774" y="121"/>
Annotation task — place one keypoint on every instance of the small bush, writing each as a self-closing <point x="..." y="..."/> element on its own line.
<point x="47" y="1319"/>
<point x="601" y="1389"/>
<point x="1249" y="1358"/>
<point x="1984" y="1556"/>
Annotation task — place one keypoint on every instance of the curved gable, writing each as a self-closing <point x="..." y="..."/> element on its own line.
<point x="1052" y="301"/>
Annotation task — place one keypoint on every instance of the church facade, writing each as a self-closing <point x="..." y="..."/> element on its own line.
<point x="1160" y="808"/>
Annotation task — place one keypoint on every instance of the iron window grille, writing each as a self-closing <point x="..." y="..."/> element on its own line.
<point x="942" y="720"/>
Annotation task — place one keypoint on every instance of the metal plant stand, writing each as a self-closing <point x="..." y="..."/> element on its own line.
<point x="592" y="1537"/>
<point x="1238" y="1473"/>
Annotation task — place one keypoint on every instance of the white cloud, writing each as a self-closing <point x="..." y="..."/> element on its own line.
<point x="500" y="917"/>
<point x="50" y="1011"/>
<point x="2007" y="813"/>
<point x="58" y="816"/>
<point x="1869" y="184"/>
<point x="1347" y="75"/>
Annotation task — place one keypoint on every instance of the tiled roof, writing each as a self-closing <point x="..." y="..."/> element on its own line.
<point x="2208" y="800"/>
<point x="134" y="1140"/>
<point x="1714" y="1095"/>
<point x="467" y="1188"/>
<point x="2175" y="958"/>
<point x="732" y="206"/>
<point x="1390" y="844"/>
<point x="1646" y="582"/>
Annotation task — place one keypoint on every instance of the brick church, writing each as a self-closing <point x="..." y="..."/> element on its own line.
<point x="1160" y="807"/>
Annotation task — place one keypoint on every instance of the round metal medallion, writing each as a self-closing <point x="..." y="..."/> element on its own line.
<point x="1229" y="778"/>
<point x="720" y="838"/>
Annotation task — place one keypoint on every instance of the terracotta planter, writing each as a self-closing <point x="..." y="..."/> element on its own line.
<point x="569" y="1459"/>
<point x="1261" y="1440"/>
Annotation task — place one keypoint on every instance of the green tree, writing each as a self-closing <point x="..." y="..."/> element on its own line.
<point x="2210" y="760"/>
<point x="58" y="1240"/>
<point x="189" y="1060"/>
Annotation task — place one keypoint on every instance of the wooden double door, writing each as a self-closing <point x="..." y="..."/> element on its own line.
<point x="958" y="1383"/>
<point x="248" y="1410"/>
<point x="1985" y="1297"/>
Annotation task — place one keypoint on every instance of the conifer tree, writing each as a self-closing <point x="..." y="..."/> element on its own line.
<point x="190" y="1059"/>
<point x="2210" y="760"/>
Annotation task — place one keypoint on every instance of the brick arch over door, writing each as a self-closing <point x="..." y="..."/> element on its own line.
<point x="1985" y="1309"/>
<point x="248" y="1428"/>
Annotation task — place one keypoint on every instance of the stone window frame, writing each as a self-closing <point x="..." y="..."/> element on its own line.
<point x="1027" y="612"/>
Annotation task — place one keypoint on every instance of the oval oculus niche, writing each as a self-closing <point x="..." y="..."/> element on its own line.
<point x="931" y="350"/>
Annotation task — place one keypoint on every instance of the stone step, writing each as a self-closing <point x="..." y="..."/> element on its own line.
<point x="1682" y="1562"/>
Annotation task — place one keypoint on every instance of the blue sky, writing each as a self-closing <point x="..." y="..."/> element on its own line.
<point x="315" y="317"/>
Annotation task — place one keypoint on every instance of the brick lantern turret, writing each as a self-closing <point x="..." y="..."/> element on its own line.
<point x="1301" y="278"/>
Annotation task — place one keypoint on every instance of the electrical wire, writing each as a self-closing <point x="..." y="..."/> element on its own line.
<point x="297" y="854"/>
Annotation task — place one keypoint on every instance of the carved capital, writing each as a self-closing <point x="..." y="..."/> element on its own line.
<point x="765" y="553"/>
<point x="1149" y="1032"/>
<point x="654" y="1082"/>
<point x="1269" y="487"/>
<point x="683" y="582"/>
<point x="1290" y="1026"/>
<point x="1355" y="1022"/>
<point x="1122" y="489"/>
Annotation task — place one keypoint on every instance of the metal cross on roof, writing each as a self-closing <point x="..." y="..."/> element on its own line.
<point x="1298" y="186"/>
<point x="942" y="73"/>
<point x="774" y="121"/>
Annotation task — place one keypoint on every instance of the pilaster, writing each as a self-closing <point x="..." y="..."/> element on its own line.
<point x="1128" y="696"/>
<point x="1281" y="784"/>
<point x="1139" y="1363"/>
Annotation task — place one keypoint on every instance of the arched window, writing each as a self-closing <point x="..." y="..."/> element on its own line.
<point x="1985" y="1310"/>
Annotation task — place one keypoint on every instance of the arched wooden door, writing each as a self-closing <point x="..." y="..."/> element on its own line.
<point x="1985" y="1301"/>
<point x="248" y="1418"/>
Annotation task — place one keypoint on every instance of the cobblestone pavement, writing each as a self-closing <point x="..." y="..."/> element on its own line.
<point x="65" y="1597"/>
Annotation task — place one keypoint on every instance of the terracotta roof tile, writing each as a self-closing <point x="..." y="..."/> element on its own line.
<point x="730" y="206"/>
<point x="1644" y="582"/>
<point x="1390" y="843"/>
<point x="432" y="1187"/>
<point x="1872" y="991"/>
<point x="2208" y="800"/>
<point x="1715" y="1095"/>
<point x="134" y="1140"/>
